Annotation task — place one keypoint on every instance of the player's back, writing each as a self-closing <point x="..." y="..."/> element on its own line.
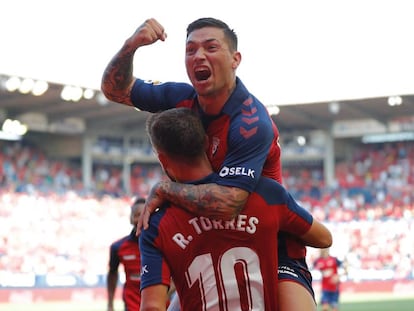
<point x="222" y="265"/>
<point x="231" y="263"/>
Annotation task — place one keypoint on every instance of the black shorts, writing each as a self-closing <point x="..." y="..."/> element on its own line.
<point x="296" y="270"/>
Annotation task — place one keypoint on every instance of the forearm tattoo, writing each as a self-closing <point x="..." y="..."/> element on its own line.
<point x="210" y="200"/>
<point x="118" y="76"/>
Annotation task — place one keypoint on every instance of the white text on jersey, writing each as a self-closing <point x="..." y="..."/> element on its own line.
<point x="236" y="171"/>
<point x="242" y="223"/>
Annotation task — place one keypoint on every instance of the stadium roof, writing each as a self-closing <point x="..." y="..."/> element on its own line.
<point x="100" y="115"/>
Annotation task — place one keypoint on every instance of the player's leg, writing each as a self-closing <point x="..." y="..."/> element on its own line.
<point x="295" y="297"/>
<point x="295" y="290"/>
<point x="334" y="301"/>
<point x="326" y="301"/>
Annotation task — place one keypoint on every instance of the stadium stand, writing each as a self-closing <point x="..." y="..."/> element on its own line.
<point x="54" y="233"/>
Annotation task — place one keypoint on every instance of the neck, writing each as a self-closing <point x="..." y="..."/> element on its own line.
<point x="212" y="104"/>
<point x="190" y="171"/>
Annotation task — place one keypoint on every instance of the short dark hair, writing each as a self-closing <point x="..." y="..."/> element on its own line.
<point x="139" y="200"/>
<point x="178" y="132"/>
<point x="203" y="22"/>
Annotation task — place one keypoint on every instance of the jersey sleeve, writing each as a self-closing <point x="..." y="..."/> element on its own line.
<point x="153" y="96"/>
<point x="294" y="218"/>
<point x="249" y="141"/>
<point x="297" y="220"/>
<point x="154" y="268"/>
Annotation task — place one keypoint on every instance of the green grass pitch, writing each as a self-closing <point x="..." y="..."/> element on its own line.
<point x="405" y="304"/>
<point x="361" y="304"/>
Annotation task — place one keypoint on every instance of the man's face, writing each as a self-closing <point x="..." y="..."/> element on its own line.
<point x="136" y="211"/>
<point x="209" y="61"/>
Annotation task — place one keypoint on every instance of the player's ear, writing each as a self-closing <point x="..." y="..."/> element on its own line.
<point x="236" y="60"/>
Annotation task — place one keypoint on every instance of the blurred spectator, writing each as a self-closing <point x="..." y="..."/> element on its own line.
<point x="329" y="265"/>
<point x="51" y="226"/>
<point x="125" y="251"/>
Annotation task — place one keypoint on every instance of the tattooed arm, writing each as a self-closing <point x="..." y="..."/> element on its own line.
<point x="210" y="200"/>
<point x="117" y="79"/>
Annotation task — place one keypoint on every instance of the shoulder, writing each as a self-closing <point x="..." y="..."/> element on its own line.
<point x="116" y="244"/>
<point x="121" y="240"/>
<point x="271" y="191"/>
<point x="158" y="85"/>
<point x="251" y="116"/>
<point x="153" y="96"/>
<point x="245" y="125"/>
<point x="155" y="224"/>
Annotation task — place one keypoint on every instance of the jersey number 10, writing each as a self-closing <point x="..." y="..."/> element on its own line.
<point x="239" y="280"/>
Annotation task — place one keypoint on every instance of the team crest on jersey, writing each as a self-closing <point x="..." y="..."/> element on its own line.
<point x="153" y="82"/>
<point x="214" y="145"/>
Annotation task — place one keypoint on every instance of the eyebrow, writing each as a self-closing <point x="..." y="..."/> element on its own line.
<point x="205" y="41"/>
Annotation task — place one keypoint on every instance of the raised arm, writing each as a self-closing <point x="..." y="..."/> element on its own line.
<point x="210" y="200"/>
<point x="118" y="79"/>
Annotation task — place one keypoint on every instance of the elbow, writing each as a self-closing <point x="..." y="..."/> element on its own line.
<point x="327" y="241"/>
<point x="120" y="94"/>
<point x="106" y="90"/>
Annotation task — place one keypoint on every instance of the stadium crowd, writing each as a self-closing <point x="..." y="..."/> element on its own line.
<point x="55" y="232"/>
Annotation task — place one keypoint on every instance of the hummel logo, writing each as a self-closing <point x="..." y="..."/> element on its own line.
<point x="248" y="133"/>
<point x="144" y="270"/>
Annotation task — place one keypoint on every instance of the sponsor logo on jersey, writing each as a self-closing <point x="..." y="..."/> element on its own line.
<point x="236" y="171"/>
<point x="144" y="270"/>
<point x="153" y="82"/>
<point x="129" y="257"/>
<point x="135" y="277"/>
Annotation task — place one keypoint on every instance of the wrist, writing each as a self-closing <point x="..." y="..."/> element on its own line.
<point x="129" y="48"/>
